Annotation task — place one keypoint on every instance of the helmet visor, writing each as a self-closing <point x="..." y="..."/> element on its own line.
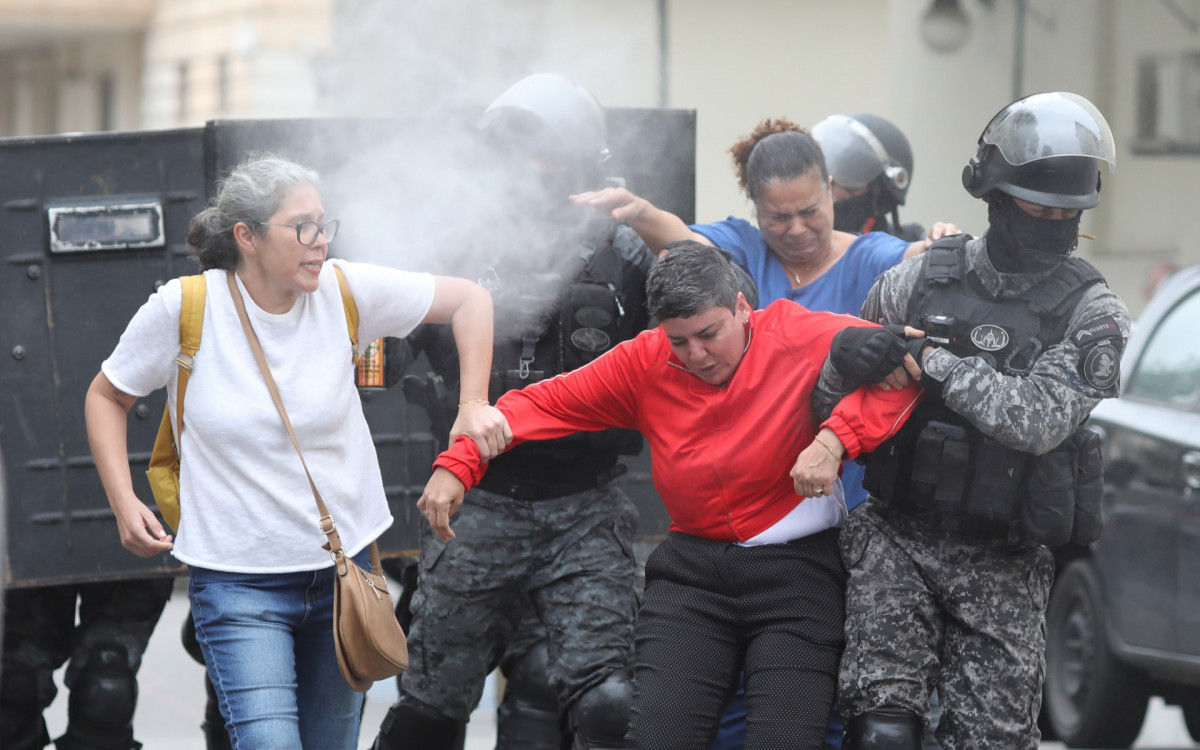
<point x="548" y="115"/>
<point x="1047" y="125"/>
<point x="852" y="153"/>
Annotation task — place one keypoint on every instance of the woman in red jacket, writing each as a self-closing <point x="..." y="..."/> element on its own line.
<point x="749" y="575"/>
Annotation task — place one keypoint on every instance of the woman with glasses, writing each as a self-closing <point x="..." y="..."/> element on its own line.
<point x="261" y="586"/>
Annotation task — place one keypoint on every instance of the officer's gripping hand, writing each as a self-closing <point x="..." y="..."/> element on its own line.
<point x="442" y="496"/>
<point x="910" y="371"/>
<point x="881" y="356"/>
<point x="484" y="424"/>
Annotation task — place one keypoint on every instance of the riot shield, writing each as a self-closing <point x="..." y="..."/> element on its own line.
<point x="91" y="225"/>
<point x="3" y="540"/>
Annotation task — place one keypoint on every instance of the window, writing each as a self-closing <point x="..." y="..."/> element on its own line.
<point x="1169" y="369"/>
<point x="105" y="226"/>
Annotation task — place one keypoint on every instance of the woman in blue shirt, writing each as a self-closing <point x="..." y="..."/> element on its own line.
<point x="792" y="252"/>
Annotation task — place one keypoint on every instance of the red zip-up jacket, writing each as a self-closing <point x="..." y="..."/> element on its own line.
<point x="721" y="456"/>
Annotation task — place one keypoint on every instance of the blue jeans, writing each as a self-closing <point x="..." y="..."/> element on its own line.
<point x="268" y="645"/>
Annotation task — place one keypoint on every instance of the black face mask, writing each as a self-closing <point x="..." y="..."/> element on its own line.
<point x="852" y="214"/>
<point x="1020" y="243"/>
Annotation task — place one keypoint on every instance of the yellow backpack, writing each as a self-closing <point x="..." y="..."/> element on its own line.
<point x="163" y="473"/>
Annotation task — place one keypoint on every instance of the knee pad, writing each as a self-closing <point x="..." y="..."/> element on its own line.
<point x="528" y="716"/>
<point x="21" y="705"/>
<point x="406" y="727"/>
<point x="103" y="697"/>
<point x="599" y="718"/>
<point x="887" y="728"/>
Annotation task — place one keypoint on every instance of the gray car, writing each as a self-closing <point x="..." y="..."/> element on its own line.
<point x="1124" y="616"/>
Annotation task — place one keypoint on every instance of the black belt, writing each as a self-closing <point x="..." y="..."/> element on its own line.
<point x="520" y="488"/>
<point x="963" y="527"/>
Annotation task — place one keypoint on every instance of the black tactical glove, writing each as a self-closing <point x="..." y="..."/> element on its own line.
<point x="868" y="355"/>
<point x="916" y="346"/>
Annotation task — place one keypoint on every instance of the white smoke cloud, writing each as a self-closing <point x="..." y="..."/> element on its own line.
<point x="422" y="191"/>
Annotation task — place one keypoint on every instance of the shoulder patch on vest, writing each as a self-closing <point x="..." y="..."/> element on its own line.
<point x="1095" y="330"/>
<point x="1101" y="366"/>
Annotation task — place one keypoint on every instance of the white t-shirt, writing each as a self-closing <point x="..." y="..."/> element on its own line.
<point x="245" y="502"/>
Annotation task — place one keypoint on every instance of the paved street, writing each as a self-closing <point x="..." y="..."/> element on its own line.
<point x="172" y="702"/>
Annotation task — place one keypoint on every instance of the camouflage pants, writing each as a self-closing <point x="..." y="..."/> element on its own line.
<point x="570" y="557"/>
<point x="926" y="609"/>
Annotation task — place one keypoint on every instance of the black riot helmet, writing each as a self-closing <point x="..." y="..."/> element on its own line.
<point x="863" y="149"/>
<point x="1045" y="149"/>
<point x="551" y="118"/>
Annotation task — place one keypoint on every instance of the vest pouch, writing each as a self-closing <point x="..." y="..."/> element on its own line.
<point x="590" y="323"/>
<point x="1089" y="487"/>
<point x="995" y="481"/>
<point x="882" y="478"/>
<point x="592" y="306"/>
<point x="1047" y="509"/>
<point x="939" y="472"/>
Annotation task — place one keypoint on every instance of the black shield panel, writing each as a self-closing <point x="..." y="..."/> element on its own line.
<point x="91" y="225"/>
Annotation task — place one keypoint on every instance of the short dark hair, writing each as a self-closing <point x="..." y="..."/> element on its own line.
<point x="689" y="279"/>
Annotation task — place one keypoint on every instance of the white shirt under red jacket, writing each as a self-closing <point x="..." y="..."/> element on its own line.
<point x="721" y="456"/>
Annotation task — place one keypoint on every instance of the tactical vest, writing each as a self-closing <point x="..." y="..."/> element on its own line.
<point x="561" y="320"/>
<point x="941" y="467"/>
<point x="548" y="323"/>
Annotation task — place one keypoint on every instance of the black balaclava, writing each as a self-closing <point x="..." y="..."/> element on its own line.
<point x="1020" y="243"/>
<point x="852" y="214"/>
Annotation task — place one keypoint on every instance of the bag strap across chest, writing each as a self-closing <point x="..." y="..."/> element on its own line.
<point x="328" y="527"/>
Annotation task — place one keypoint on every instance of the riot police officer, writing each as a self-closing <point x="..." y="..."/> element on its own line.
<point x="546" y="532"/>
<point x="948" y="559"/>
<point x="104" y="649"/>
<point x="871" y="164"/>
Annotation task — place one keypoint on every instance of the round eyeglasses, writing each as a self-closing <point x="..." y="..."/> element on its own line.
<point x="307" y="231"/>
